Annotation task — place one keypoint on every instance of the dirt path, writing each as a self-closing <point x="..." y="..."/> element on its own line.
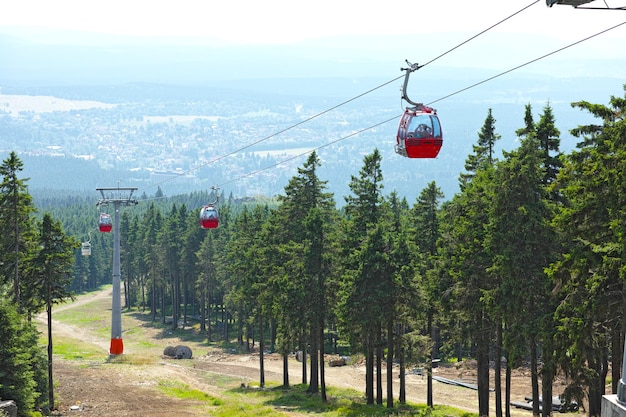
<point x="109" y="389"/>
<point x="60" y="328"/>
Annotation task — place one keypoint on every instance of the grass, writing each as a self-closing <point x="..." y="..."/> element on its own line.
<point x="185" y="392"/>
<point x="276" y="401"/>
<point x="72" y="349"/>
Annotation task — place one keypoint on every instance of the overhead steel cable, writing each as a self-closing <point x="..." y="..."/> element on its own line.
<point x="527" y="63"/>
<point x="308" y="119"/>
<point x="212" y="161"/>
<point x="480" y="33"/>
<point x="358" y="132"/>
<point x="435" y="101"/>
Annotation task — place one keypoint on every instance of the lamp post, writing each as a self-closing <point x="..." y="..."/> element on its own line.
<point x="117" y="197"/>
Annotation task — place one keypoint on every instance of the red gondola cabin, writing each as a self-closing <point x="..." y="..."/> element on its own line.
<point x="209" y="217"/>
<point x="105" y="224"/>
<point x="419" y="133"/>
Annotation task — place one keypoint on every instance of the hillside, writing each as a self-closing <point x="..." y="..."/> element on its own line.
<point x="184" y="139"/>
<point x="137" y="384"/>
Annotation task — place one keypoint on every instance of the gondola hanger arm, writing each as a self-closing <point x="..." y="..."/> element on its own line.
<point x="411" y="68"/>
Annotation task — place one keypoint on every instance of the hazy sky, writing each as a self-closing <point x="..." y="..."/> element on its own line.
<point x="288" y="21"/>
<point x="338" y="33"/>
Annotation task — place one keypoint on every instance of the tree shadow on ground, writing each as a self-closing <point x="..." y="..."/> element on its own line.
<point x="342" y="402"/>
<point x="190" y="333"/>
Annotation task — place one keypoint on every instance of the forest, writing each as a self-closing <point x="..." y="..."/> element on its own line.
<point x="526" y="263"/>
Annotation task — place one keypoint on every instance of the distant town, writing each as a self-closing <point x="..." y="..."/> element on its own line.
<point x="183" y="139"/>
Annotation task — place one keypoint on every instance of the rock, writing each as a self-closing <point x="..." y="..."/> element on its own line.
<point x="170" y="351"/>
<point x="182" y="352"/>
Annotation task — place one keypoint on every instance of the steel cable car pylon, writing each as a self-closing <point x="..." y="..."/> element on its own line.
<point x="209" y="216"/>
<point x="116" y="198"/>
<point x="419" y="132"/>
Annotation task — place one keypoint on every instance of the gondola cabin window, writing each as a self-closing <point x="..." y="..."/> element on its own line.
<point x="85" y="249"/>
<point x="419" y="134"/>
<point x="209" y="217"/>
<point x="105" y="223"/>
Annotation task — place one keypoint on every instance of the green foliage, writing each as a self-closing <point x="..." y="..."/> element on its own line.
<point x="483" y="152"/>
<point x="593" y="262"/>
<point x="16" y="209"/>
<point x="21" y="363"/>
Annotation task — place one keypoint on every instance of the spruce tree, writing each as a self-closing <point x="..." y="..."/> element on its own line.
<point x="16" y="209"/>
<point x="17" y="376"/>
<point x="362" y="266"/>
<point x="590" y="274"/>
<point x="50" y="272"/>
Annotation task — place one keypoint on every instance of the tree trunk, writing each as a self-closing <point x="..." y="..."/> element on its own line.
<point x="185" y="301"/>
<point x="303" y="345"/>
<point x="314" y="381"/>
<point x="617" y="349"/>
<point x="207" y="302"/>
<point x="401" y="359"/>
<point x="369" y="374"/>
<point x="429" y="365"/>
<point x="163" y="303"/>
<point x="507" y="389"/>
<point x="226" y="324"/>
<point x="203" y="312"/>
<point x="534" y="378"/>
<point x="322" y="364"/>
<point x="126" y="295"/>
<point x="273" y="334"/>
<point x="142" y="284"/>
<point x="153" y="299"/>
<point x="547" y="377"/>
<point x="379" y="364"/>
<point x="390" y="342"/>
<point x="618" y="345"/>
<point x="596" y="385"/>
<point x="261" y="349"/>
<point x="498" y="370"/>
<point x="240" y="328"/>
<point x="285" y="369"/>
<point x="50" y="379"/>
<point x="482" y="355"/>
<point x="175" y="303"/>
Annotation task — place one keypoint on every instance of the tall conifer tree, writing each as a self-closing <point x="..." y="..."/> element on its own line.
<point x="16" y="209"/>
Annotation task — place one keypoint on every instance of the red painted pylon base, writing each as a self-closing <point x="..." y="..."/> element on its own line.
<point x="117" y="347"/>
